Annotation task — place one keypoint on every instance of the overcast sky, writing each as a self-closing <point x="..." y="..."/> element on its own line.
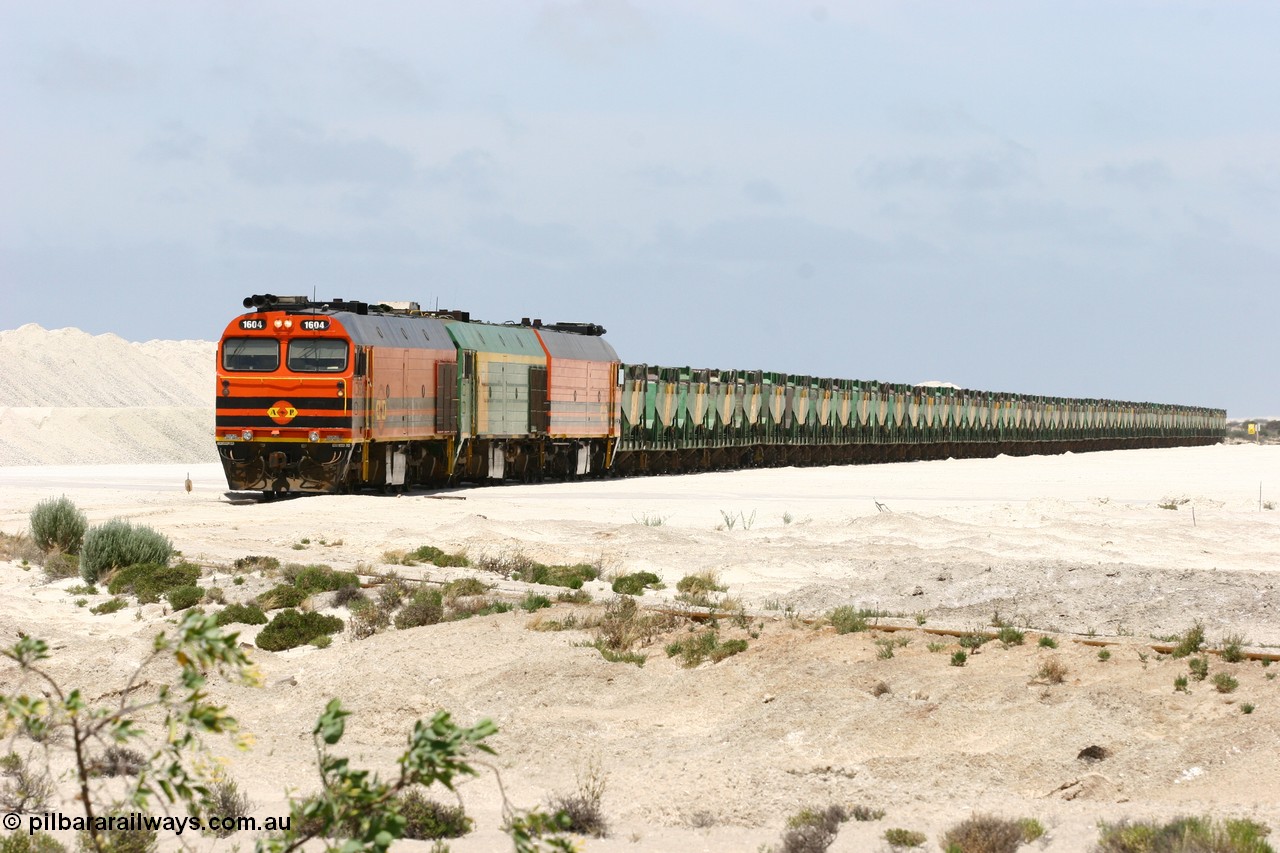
<point x="1069" y="198"/>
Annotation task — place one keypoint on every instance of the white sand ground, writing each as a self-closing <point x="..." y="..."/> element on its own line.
<point x="715" y="758"/>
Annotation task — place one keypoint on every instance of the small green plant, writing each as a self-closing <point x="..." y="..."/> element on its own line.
<point x="111" y="605"/>
<point x="1047" y="642"/>
<point x="700" y="583"/>
<point x="958" y="658"/>
<point x="787" y="517"/>
<point x="81" y="602"/>
<point x="282" y="596"/>
<point x="255" y="563"/>
<point x="574" y="596"/>
<point x="935" y="646"/>
<point x="863" y="814"/>
<point x="533" y="601"/>
<point x="1190" y="642"/>
<point x="1233" y="648"/>
<point x="289" y="629"/>
<point x="1225" y="682"/>
<point x="1199" y="668"/>
<point x="1032" y="829"/>
<point x="238" y="580"/>
<point x="117" y="544"/>
<point x="572" y="577"/>
<point x="1180" y="684"/>
<point x="885" y="647"/>
<point x="1246" y="707"/>
<point x="899" y="838"/>
<point x="426" y="607"/>
<point x="636" y="583"/>
<point x="368" y="619"/>
<point x="1184" y="835"/>
<point x="465" y="608"/>
<point x="243" y="614"/>
<point x="1104" y="655"/>
<point x="921" y="618"/>
<point x="150" y="581"/>
<point x="57" y="525"/>
<point x="1010" y="636"/>
<point x="847" y="619"/>
<point x="813" y="830"/>
<point x="704" y="645"/>
<point x="433" y="555"/>
<point x="318" y="578"/>
<point x="182" y="597"/>
<point x="582" y="807"/>
<point x="649" y="519"/>
<point x="1172" y="503"/>
<point x="972" y="641"/>
<point x="463" y="587"/>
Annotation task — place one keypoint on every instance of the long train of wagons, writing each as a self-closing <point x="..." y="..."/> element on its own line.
<point x="342" y="395"/>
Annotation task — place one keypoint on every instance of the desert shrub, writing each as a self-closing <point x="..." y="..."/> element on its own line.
<point x="1225" y="682"/>
<point x="1233" y="648"/>
<point x="581" y="810"/>
<point x="117" y="839"/>
<point x="255" y="563"/>
<point x="426" y="607"/>
<point x="574" y="596"/>
<point x="959" y="658"/>
<point x="461" y="587"/>
<point x="1180" y="684"/>
<point x="475" y="605"/>
<point x="904" y="838"/>
<point x="182" y="597"/>
<point x="244" y="614"/>
<point x="281" y="596"/>
<point x="40" y="842"/>
<point x="1199" y="668"/>
<point x="117" y="544"/>
<point x="985" y="834"/>
<point x="1010" y="636"/>
<point x="149" y="581"/>
<point x="23" y="788"/>
<point x="315" y="578"/>
<point x="57" y="525"/>
<point x="533" y="602"/>
<point x="226" y="801"/>
<point x="1190" y="642"/>
<point x="848" y="620"/>
<point x="813" y="830"/>
<point x="292" y="628"/>
<point x="697" y="648"/>
<point x="215" y="595"/>
<point x="392" y="591"/>
<point x="58" y="566"/>
<point x="636" y="583"/>
<point x="117" y="761"/>
<point x="349" y="597"/>
<point x="111" y="605"/>
<point x="368" y="619"/>
<point x="425" y="819"/>
<point x="1053" y="671"/>
<point x="19" y="548"/>
<point x="1183" y="835"/>
<point x="972" y="641"/>
<point x="865" y="813"/>
<point x="700" y="583"/>
<point x="572" y="577"/>
<point x="435" y="556"/>
<point x="623" y="626"/>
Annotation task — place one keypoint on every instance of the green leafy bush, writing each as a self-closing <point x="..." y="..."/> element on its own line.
<point x="281" y="596"/>
<point x="435" y="556"/>
<point x="635" y="584"/>
<point x="1190" y="642"/>
<point x="244" y="614"/>
<point x="149" y="581"/>
<point x="40" y="842"/>
<point x="254" y="563"/>
<point x="848" y="620"/>
<point x="426" y="607"/>
<point x="1184" y="835"/>
<point x="182" y="597"/>
<point x="572" y="577"/>
<point x="533" y="602"/>
<point x="700" y="584"/>
<point x="349" y="597"/>
<point x="111" y="605"/>
<point x="311" y="579"/>
<point x="117" y="544"/>
<point x="988" y="834"/>
<point x="57" y="525"/>
<point x="699" y="647"/>
<point x="292" y="628"/>
<point x="461" y="587"/>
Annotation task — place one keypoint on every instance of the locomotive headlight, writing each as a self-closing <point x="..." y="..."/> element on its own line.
<point x="279" y="323"/>
<point x="315" y="435"/>
<point x="247" y="435"/>
<point x="288" y="324"/>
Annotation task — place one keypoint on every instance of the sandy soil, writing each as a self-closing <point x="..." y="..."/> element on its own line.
<point x="716" y="757"/>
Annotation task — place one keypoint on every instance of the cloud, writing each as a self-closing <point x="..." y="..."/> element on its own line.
<point x="1145" y="175"/>
<point x="388" y="79"/>
<point x="765" y="239"/>
<point x="544" y="240"/>
<point x="592" y="31"/>
<point x="763" y="192"/>
<point x="283" y="153"/>
<point x="173" y="141"/>
<point x="975" y="173"/>
<point x="74" y="70"/>
<point x="277" y="240"/>
<point x="659" y="176"/>
<point x="470" y="172"/>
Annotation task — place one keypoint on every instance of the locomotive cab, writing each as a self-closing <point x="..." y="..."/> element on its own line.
<point x="285" y="379"/>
